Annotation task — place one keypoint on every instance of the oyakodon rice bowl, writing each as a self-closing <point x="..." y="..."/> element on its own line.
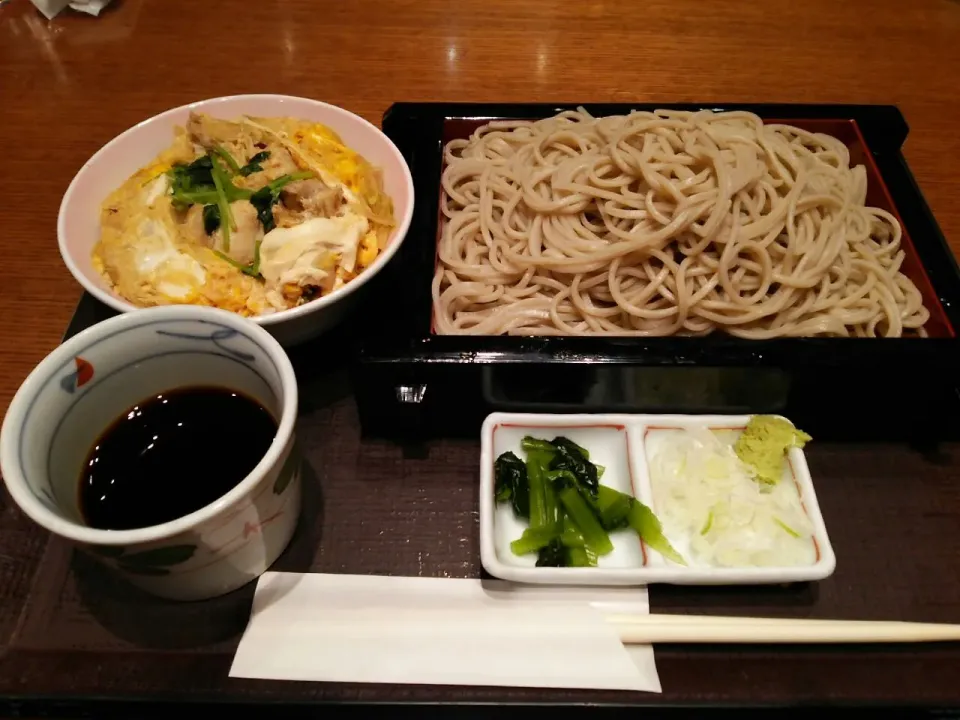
<point x="273" y="207"/>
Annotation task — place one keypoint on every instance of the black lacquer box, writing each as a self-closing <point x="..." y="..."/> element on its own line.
<point x="412" y="382"/>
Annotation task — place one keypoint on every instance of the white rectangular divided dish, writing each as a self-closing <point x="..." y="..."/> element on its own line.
<point x="621" y="444"/>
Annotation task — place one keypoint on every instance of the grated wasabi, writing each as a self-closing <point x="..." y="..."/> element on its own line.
<point x="765" y="442"/>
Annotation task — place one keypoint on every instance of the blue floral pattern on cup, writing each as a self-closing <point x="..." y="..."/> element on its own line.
<point x="217" y="337"/>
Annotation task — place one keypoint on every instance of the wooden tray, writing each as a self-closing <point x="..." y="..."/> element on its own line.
<point x="72" y="637"/>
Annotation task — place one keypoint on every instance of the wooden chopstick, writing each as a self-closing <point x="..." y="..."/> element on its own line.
<point x="652" y="629"/>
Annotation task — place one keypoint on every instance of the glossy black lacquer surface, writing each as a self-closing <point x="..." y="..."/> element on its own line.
<point x="411" y="381"/>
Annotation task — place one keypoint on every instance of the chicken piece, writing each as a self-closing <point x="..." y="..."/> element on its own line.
<point x="243" y="239"/>
<point x="236" y="139"/>
<point x="283" y="217"/>
<point x="210" y="131"/>
<point x="312" y="198"/>
<point x="193" y="226"/>
<point x="279" y="163"/>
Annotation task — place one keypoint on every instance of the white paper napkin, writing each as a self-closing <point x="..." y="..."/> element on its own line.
<point x="51" y="8"/>
<point x="367" y="628"/>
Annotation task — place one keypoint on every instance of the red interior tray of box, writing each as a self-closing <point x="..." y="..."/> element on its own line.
<point x="845" y="130"/>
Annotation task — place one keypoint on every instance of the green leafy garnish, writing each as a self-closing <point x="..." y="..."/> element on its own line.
<point x="205" y="182"/>
<point x="227" y="223"/>
<point x="570" y="534"/>
<point x="283" y="180"/>
<point x="581" y="557"/>
<point x="192" y="183"/>
<point x="612" y="508"/>
<point x="253" y="269"/>
<point x="198" y="175"/>
<point x="571" y="515"/>
<point x="617" y="510"/>
<point x="253" y="165"/>
<point x="228" y="159"/>
<point x="538" y="491"/>
<point x="533" y="540"/>
<point x="263" y="200"/>
<point x="211" y="218"/>
<point x="594" y="536"/>
<point x="647" y="526"/>
<point x="553" y="555"/>
<point x="570" y="456"/>
<point x="197" y="184"/>
<point x="266" y="197"/>
<point x="529" y="444"/>
<point x="510" y="481"/>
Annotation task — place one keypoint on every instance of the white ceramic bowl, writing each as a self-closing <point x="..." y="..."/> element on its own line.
<point x="80" y="388"/>
<point x="78" y="224"/>
<point x="619" y="442"/>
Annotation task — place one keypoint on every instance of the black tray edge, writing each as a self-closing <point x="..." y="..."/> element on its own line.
<point x="73" y="708"/>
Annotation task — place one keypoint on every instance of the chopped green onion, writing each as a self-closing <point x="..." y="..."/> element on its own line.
<point x="708" y="524"/>
<point x="789" y="530"/>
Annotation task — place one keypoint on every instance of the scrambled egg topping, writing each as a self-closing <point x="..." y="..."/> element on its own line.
<point x="253" y="216"/>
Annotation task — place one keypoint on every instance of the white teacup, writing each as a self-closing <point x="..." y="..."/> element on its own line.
<point x="78" y="390"/>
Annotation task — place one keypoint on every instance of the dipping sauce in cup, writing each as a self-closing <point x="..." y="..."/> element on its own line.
<point x="231" y="467"/>
<point x="135" y="475"/>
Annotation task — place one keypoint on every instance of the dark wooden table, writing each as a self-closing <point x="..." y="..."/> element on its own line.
<point x="66" y="87"/>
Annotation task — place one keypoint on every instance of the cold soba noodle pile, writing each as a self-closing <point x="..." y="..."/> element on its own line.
<point x="665" y="223"/>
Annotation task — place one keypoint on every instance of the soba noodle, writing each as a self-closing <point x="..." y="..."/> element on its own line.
<point x="665" y="223"/>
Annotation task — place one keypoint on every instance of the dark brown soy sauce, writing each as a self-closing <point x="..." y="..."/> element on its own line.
<point x="171" y="455"/>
